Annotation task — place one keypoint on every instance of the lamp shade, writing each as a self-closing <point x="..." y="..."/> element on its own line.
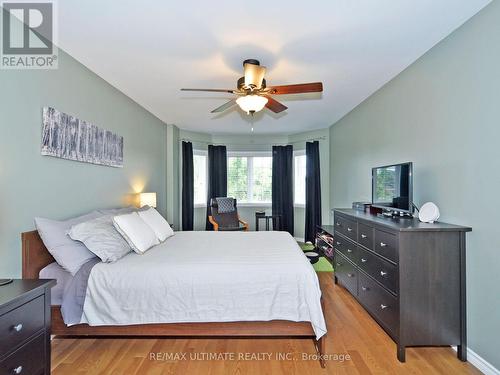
<point x="147" y="199"/>
<point x="251" y="103"/>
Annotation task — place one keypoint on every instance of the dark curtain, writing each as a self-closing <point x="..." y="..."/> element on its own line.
<point x="217" y="176"/>
<point x="187" y="186"/>
<point x="282" y="186"/>
<point x="313" y="191"/>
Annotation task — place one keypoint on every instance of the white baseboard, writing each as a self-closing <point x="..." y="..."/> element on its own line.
<point x="480" y="363"/>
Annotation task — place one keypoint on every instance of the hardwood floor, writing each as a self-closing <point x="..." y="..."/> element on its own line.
<point x="351" y="332"/>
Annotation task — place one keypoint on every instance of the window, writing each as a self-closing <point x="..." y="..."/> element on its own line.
<point x="237" y="178"/>
<point x="299" y="162"/>
<point x="249" y="177"/>
<point x="200" y="177"/>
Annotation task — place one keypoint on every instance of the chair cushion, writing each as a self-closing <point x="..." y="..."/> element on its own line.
<point x="227" y="220"/>
<point x="225" y="205"/>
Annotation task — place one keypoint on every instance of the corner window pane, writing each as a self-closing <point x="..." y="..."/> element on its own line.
<point x="200" y="179"/>
<point x="237" y="178"/>
<point x="262" y="179"/>
<point x="300" y="179"/>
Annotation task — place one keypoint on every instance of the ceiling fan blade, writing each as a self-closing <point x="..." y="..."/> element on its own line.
<point x="274" y="105"/>
<point x="210" y="90"/>
<point x="296" y="89"/>
<point x="225" y="106"/>
<point x="254" y="74"/>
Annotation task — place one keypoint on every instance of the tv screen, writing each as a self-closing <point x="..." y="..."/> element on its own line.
<point x="392" y="187"/>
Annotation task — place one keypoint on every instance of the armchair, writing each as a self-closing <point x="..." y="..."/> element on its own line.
<point x="226" y="220"/>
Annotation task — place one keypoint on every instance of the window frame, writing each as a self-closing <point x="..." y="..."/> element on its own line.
<point x="250" y="155"/>
<point x="298" y="153"/>
<point x="205" y="154"/>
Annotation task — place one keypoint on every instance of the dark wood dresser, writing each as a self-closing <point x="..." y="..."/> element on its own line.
<point x="25" y="327"/>
<point x="408" y="275"/>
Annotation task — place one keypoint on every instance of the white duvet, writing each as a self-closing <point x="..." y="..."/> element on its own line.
<point x="208" y="277"/>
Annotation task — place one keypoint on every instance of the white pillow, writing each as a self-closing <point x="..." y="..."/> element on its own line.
<point x="157" y="223"/>
<point x="101" y="237"/>
<point x="136" y="232"/>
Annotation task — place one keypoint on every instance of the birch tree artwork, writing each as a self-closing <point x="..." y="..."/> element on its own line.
<point x="64" y="136"/>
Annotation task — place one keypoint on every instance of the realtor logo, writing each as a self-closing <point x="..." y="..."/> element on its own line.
<point x="28" y="35"/>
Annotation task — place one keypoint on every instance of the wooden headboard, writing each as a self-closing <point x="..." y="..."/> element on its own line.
<point x="35" y="255"/>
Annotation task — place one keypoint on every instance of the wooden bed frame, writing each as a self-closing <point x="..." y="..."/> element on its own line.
<point x="36" y="256"/>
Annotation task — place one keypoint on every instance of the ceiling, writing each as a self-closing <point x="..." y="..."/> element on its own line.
<point x="150" y="49"/>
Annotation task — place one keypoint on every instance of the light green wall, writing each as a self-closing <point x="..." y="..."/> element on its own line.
<point x="252" y="142"/>
<point x="442" y="113"/>
<point x="172" y="176"/>
<point x="34" y="185"/>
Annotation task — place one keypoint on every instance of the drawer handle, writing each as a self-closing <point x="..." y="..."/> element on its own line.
<point x="337" y="224"/>
<point x="363" y="260"/>
<point x="349" y="250"/>
<point x="364" y="288"/>
<point x="383" y="244"/>
<point x="18" y="370"/>
<point x="339" y="264"/>
<point x="349" y="229"/>
<point x="383" y="273"/>
<point x="350" y="274"/>
<point x="383" y="307"/>
<point x="338" y="243"/>
<point x="363" y="235"/>
<point x="18" y="327"/>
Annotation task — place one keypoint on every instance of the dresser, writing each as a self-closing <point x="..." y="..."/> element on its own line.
<point x="409" y="276"/>
<point x="25" y="327"/>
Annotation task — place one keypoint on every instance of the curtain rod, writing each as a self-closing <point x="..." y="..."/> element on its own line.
<point x="322" y="138"/>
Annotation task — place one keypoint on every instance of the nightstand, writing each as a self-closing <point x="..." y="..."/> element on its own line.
<point x="25" y="327"/>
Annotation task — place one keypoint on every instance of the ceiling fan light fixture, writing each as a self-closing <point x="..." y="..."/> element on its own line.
<point x="252" y="103"/>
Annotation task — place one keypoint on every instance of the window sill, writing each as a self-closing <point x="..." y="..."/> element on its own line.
<point x="240" y="204"/>
<point x="299" y="205"/>
<point x="253" y="204"/>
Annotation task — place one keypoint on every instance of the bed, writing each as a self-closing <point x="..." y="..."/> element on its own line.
<point x="212" y="270"/>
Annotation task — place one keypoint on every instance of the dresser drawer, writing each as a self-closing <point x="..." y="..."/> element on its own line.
<point x="21" y="323"/>
<point x="384" y="272"/>
<point x="386" y="244"/>
<point x="346" y="273"/>
<point x="365" y="236"/>
<point x="346" y="227"/>
<point x="380" y="303"/>
<point x="347" y="248"/>
<point x="27" y="360"/>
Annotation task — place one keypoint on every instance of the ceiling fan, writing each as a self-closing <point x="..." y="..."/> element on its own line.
<point x="253" y="93"/>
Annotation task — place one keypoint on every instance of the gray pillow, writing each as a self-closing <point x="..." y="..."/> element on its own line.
<point x="70" y="255"/>
<point x="118" y="211"/>
<point x="100" y="236"/>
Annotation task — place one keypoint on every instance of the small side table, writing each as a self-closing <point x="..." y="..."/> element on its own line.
<point x="276" y="218"/>
<point x="25" y="327"/>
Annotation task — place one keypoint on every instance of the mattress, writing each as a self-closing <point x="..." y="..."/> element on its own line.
<point x="207" y="277"/>
<point x="63" y="277"/>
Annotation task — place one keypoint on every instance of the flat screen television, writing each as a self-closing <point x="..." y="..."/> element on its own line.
<point x="392" y="187"/>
